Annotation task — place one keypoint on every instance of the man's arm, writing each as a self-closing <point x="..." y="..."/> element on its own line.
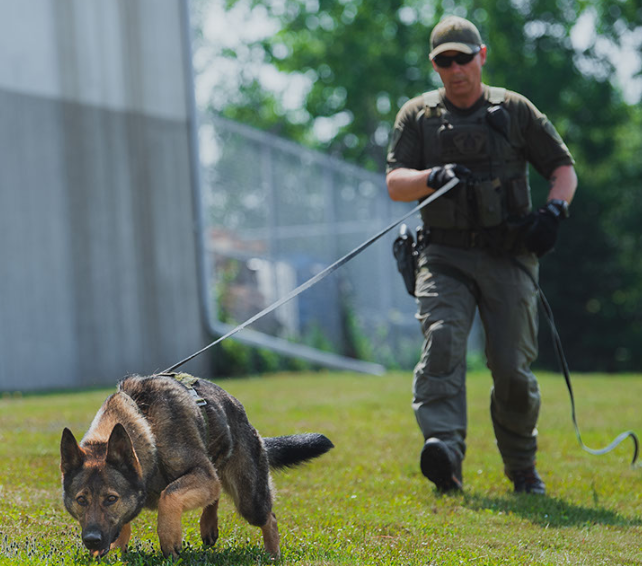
<point x="541" y="236"/>
<point x="407" y="185"/>
<point x="562" y="183"/>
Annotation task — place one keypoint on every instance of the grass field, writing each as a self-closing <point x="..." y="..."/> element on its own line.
<point x="366" y="502"/>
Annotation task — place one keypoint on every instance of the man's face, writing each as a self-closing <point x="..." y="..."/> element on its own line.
<point x="462" y="81"/>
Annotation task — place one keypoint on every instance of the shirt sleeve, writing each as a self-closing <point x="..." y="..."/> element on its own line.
<point x="405" y="148"/>
<point x="543" y="146"/>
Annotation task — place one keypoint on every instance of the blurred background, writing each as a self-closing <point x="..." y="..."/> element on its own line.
<point x="168" y="168"/>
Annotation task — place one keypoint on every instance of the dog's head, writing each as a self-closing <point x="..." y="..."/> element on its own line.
<point x="102" y="486"/>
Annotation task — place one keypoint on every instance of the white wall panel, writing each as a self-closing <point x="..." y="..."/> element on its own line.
<point x="99" y="275"/>
<point x="116" y="54"/>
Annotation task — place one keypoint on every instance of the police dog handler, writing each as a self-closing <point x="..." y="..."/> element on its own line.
<point x="485" y="136"/>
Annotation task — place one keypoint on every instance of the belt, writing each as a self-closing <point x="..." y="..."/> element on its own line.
<point x="459" y="238"/>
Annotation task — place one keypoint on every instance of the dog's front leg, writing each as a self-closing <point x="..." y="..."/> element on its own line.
<point x="209" y="524"/>
<point x="271" y="536"/>
<point x="199" y="488"/>
<point x="123" y="538"/>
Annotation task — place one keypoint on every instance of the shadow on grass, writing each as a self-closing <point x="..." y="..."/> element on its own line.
<point x="549" y="511"/>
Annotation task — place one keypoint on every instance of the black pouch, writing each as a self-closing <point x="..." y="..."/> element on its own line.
<point x="405" y="253"/>
<point x="488" y="195"/>
<point x="518" y="196"/>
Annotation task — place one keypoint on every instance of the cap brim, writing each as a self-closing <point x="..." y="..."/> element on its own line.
<point x="468" y="48"/>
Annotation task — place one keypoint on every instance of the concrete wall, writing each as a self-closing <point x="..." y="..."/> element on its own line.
<point x="98" y="234"/>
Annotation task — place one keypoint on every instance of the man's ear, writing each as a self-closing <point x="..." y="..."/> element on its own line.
<point x="120" y="452"/>
<point x="483" y="52"/>
<point x="71" y="457"/>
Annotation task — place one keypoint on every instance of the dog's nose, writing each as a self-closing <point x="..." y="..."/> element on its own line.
<point x="92" y="539"/>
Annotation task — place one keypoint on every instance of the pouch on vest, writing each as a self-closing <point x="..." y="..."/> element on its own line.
<point x="518" y="196"/>
<point x="488" y="195"/>
<point x="463" y="144"/>
<point x="448" y="211"/>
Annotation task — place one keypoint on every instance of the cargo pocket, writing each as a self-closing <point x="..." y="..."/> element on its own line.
<point x="438" y="375"/>
<point x="428" y="387"/>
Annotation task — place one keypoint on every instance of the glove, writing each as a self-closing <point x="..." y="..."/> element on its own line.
<point x="542" y="234"/>
<point x="440" y="175"/>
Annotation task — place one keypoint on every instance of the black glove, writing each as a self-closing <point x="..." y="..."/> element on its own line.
<point x="441" y="175"/>
<point x="542" y="234"/>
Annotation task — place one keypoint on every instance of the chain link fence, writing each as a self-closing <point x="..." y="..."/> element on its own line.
<point x="275" y="215"/>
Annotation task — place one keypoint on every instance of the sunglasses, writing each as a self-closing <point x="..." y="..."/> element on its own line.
<point x="445" y="61"/>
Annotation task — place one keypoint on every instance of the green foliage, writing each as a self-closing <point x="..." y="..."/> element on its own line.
<point x="234" y="358"/>
<point x="366" y="502"/>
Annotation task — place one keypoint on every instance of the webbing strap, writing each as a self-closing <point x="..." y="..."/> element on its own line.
<point x="496" y="95"/>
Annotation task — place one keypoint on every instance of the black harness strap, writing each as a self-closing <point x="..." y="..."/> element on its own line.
<point x="189" y="382"/>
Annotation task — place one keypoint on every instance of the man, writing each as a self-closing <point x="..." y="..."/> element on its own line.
<point x="483" y="243"/>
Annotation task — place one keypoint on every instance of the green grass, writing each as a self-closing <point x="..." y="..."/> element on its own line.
<point x="366" y="502"/>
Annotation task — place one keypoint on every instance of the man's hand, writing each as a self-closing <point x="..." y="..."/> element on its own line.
<point x="542" y="234"/>
<point x="440" y="175"/>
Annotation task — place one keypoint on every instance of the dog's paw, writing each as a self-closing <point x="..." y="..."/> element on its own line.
<point x="209" y="539"/>
<point x="170" y="540"/>
<point x="171" y="551"/>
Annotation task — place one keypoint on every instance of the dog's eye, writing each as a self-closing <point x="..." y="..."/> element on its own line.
<point x="82" y="501"/>
<point x="111" y="499"/>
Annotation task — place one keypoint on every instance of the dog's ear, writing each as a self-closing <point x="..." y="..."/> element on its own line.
<point x="71" y="457"/>
<point x="120" y="452"/>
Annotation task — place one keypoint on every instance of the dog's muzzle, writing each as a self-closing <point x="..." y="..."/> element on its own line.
<point x="96" y="542"/>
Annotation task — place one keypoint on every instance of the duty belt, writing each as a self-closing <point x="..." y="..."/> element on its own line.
<point x="459" y="238"/>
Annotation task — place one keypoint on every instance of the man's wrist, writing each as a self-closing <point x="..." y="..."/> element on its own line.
<point x="558" y="208"/>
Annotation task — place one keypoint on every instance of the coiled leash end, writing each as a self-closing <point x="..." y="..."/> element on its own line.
<point x="567" y="377"/>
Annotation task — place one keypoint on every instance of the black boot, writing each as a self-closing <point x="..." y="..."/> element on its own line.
<point x="527" y="481"/>
<point x="441" y="465"/>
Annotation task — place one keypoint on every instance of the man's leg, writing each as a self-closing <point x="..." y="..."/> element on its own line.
<point x="508" y="309"/>
<point x="446" y="308"/>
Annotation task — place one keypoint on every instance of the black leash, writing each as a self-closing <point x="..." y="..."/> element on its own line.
<point x="321" y="275"/>
<point x="557" y="343"/>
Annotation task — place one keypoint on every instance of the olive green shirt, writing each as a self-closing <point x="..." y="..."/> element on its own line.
<point x="530" y="132"/>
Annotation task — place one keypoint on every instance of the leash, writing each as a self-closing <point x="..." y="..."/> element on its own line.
<point x="561" y="357"/>
<point x="321" y="275"/>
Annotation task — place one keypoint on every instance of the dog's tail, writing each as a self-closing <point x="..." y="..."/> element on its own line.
<point x="289" y="451"/>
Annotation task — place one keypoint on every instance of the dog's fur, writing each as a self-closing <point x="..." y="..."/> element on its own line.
<point x="151" y="446"/>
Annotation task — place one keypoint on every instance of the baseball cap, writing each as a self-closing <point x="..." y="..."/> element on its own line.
<point x="454" y="34"/>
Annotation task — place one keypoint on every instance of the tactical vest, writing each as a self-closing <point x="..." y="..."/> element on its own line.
<point x="480" y="141"/>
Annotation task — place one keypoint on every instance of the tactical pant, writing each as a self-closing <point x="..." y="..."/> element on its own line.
<point x="451" y="282"/>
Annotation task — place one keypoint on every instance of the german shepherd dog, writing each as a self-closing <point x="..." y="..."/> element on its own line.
<point x="152" y="445"/>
